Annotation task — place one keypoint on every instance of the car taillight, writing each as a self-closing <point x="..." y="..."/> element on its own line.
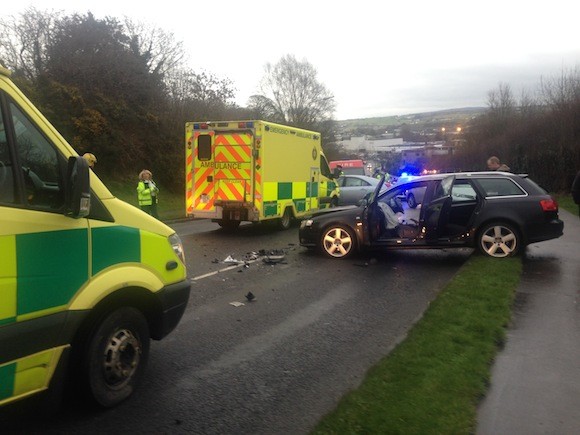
<point x="549" y="204"/>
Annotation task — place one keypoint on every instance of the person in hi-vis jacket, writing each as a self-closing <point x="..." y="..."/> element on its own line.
<point x="147" y="193"/>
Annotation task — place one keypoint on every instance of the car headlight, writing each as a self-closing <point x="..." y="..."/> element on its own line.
<point x="175" y="242"/>
<point x="306" y="223"/>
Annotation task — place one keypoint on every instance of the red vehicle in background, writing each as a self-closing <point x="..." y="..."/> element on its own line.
<point x="349" y="167"/>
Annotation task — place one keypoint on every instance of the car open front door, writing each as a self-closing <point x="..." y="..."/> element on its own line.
<point x="436" y="214"/>
<point x="371" y="229"/>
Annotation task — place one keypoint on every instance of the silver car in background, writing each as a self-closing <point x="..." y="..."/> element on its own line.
<point x="353" y="188"/>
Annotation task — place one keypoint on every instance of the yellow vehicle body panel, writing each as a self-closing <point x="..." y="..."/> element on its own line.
<point x="55" y="268"/>
<point x="31" y="374"/>
<point x="254" y="171"/>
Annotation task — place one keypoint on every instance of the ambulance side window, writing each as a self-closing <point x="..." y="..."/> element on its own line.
<point x="39" y="161"/>
<point x="204" y="147"/>
<point x="6" y="173"/>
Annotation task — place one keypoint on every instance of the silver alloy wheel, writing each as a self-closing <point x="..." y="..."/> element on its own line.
<point x="498" y="240"/>
<point x="116" y="355"/>
<point x="338" y="242"/>
<point x="121" y="358"/>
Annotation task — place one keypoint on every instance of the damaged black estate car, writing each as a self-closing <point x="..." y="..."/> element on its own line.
<point x="498" y="213"/>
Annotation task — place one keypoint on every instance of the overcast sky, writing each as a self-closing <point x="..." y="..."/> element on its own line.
<point x="378" y="58"/>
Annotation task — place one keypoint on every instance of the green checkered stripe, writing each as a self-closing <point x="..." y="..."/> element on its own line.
<point x="7" y="375"/>
<point x="298" y="193"/>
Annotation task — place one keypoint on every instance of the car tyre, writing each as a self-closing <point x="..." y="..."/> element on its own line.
<point x="499" y="240"/>
<point x="116" y="356"/>
<point x="338" y="241"/>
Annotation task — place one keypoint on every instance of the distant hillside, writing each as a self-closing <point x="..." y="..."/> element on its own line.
<point x="450" y="116"/>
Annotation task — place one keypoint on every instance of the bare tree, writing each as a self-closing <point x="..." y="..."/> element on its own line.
<point x="291" y="93"/>
<point x="198" y="95"/>
<point x="24" y="40"/>
<point x="160" y="49"/>
<point x="529" y="105"/>
<point x="501" y="102"/>
<point x="562" y="93"/>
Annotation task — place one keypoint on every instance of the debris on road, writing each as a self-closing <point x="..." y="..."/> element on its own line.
<point x="237" y="304"/>
<point x="250" y="256"/>
<point x="274" y="256"/>
<point x="230" y="260"/>
<point x="250" y="297"/>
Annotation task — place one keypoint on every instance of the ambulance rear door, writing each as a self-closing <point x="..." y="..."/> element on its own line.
<point x="203" y="175"/>
<point x="232" y="159"/>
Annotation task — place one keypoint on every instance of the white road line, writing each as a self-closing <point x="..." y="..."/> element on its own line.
<point x="225" y="269"/>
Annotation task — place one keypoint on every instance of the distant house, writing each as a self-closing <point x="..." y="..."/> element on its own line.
<point x="370" y="145"/>
<point x="424" y="151"/>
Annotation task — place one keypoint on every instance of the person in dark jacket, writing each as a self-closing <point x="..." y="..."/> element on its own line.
<point x="576" y="191"/>
<point x="493" y="164"/>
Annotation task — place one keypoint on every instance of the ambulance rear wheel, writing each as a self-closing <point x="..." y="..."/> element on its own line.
<point x="228" y="224"/>
<point x="286" y="219"/>
<point x="116" y="356"/>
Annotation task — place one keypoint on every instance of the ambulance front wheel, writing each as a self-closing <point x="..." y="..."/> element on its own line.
<point x="116" y="356"/>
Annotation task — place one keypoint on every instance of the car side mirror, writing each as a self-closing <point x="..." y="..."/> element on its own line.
<point x="336" y="173"/>
<point x="77" y="188"/>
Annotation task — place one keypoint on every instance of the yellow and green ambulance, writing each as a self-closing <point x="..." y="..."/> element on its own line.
<point x="255" y="171"/>
<point x="86" y="280"/>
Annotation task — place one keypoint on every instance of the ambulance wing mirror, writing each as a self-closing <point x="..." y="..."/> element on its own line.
<point x="77" y="188"/>
<point x="337" y="172"/>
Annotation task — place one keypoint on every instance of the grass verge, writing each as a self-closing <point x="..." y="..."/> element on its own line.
<point x="433" y="381"/>
<point x="566" y="202"/>
<point x="171" y="206"/>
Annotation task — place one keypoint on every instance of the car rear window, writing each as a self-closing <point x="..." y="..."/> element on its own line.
<point x="500" y="187"/>
<point x="537" y="186"/>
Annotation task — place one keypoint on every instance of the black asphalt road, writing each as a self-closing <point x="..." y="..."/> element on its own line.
<point x="278" y="364"/>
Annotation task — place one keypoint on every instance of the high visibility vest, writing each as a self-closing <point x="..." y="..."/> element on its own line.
<point x="146" y="195"/>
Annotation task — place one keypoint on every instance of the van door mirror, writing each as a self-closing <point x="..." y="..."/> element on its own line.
<point x="336" y="173"/>
<point x="77" y="188"/>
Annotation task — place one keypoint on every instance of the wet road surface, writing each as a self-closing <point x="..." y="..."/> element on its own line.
<point x="277" y="364"/>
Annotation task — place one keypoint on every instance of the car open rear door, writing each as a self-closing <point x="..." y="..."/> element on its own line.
<point x="436" y="213"/>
